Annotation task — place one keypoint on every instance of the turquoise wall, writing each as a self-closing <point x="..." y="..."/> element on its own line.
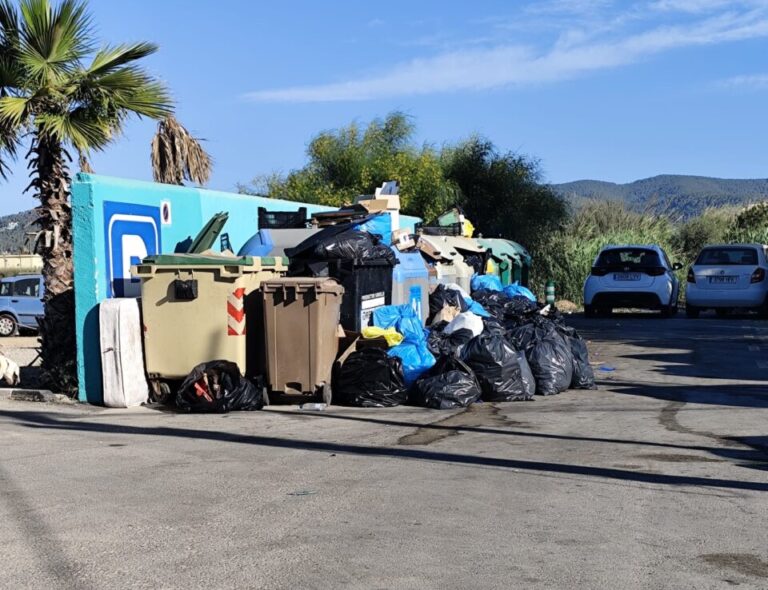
<point x="117" y="221"/>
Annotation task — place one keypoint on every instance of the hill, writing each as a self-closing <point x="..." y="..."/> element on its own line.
<point x="686" y="196"/>
<point x="13" y="230"/>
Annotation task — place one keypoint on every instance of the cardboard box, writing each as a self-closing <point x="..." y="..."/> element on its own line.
<point x="403" y="240"/>
<point x="382" y="203"/>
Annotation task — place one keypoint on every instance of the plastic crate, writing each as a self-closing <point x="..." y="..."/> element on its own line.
<point x="282" y="219"/>
<point x="453" y="229"/>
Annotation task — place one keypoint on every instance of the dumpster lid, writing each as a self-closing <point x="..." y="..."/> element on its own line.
<point x="302" y="284"/>
<point x="207" y="236"/>
<point x="211" y="260"/>
<point x="461" y="243"/>
<point x="411" y="264"/>
<point x="432" y="247"/>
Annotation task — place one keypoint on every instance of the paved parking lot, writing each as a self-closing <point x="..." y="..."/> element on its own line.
<point x="657" y="480"/>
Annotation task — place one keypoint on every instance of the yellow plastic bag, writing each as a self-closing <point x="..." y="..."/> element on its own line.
<point x="392" y="336"/>
<point x="467" y="229"/>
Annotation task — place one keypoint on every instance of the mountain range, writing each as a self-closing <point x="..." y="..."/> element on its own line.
<point x="679" y="195"/>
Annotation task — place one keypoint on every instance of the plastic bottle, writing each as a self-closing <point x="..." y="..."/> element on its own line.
<point x="312" y="407"/>
<point x="414" y="298"/>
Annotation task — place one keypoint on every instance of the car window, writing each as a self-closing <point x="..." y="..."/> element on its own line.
<point x="628" y="257"/>
<point x="727" y="256"/>
<point x="6" y="289"/>
<point x="27" y="288"/>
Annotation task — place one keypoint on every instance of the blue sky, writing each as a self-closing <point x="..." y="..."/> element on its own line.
<point x="592" y="88"/>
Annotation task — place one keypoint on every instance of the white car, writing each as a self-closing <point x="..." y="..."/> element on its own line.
<point x="632" y="276"/>
<point x="726" y="277"/>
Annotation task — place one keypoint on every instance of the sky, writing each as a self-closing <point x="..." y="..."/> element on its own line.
<point x="599" y="89"/>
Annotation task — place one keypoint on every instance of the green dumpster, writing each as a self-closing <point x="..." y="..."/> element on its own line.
<point x="517" y="260"/>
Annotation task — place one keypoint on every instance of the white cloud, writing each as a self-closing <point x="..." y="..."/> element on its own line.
<point x="701" y="6"/>
<point x="757" y="81"/>
<point x="510" y="65"/>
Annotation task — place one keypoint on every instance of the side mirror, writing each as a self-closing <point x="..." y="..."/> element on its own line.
<point x="677" y="266"/>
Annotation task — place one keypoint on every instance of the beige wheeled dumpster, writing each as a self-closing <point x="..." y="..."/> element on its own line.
<point x="194" y="310"/>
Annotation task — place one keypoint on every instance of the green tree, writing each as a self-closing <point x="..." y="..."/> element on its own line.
<point x="750" y="225"/>
<point x="61" y="91"/>
<point x="351" y="161"/>
<point x="502" y="193"/>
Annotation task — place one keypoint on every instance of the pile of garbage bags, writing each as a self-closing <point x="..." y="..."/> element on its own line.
<point x="495" y="345"/>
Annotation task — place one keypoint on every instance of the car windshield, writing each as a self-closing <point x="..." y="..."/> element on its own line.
<point x="629" y="258"/>
<point x="727" y="257"/>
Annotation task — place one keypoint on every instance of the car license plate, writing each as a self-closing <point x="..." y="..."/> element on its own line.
<point x="723" y="280"/>
<point x="626" y="276"/>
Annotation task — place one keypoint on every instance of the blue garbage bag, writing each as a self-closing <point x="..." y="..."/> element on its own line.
<point x="514" y="289"/>
<point x="403" y="319"/>
<point x="491" y="282"/>
<point x="380" y="225"/>
<point x="416" y="359"/>
<point x="476" y="308"/>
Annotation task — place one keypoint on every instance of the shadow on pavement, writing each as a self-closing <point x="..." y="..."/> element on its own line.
<point x="740" y="396"/>
<point x="43" y="421"/>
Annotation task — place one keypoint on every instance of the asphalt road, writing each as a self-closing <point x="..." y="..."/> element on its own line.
<point x="657" y="480"/>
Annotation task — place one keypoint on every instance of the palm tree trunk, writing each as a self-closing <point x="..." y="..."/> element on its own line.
<point x="57" y="329"/>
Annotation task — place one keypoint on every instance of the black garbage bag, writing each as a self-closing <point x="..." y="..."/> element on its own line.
<point x="350" y="244"/>
<point x="494" y="302"/>
<point x="493" y="327"/>
<point x="525" y="337"/>
<point x="552" y="363"/>
<point x="218" y="387"/>
<point x="520" y="310"/>
<point x="529" y="381"/>
<point x="370" y="378"/>
<point x="442" y="297"/>
<point x="341" y="242"/>
<point x="448" y="385"/>
<point x="583" y="375"/>
<point x="497" y="368"/>
<point x="441" y="344"/>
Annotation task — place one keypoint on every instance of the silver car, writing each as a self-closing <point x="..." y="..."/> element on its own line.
<point x="726" y="277"/>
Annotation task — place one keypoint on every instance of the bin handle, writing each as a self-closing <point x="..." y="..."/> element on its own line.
<point x="231" y="271"/>
<point x="143" y="270"/>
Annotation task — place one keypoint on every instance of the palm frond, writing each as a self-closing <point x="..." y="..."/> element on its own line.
<point x="127" y="88"/>
<point x="14" y="110"/>
<point x="108" y="59"/>
<point x="177" y="156"/>
<point x="83" y="163"/>
<point x="54" y="40"/>
<point x="9" y="23"/>
<point x="78" y="127"/>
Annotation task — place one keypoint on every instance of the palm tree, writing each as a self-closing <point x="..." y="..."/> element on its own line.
<point x="177" y="156"/>
<point x="59" y="92"/>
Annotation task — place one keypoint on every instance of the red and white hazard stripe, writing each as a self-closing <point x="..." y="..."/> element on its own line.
<point x="236" y="313"/>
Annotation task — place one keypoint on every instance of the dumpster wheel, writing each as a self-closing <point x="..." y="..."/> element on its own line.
<point x="161" y="391"/>
<point x="325" y="394"/>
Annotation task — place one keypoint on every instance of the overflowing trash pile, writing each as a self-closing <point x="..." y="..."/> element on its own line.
<point x="496" y="345"/>
<point x="344" y="308"/>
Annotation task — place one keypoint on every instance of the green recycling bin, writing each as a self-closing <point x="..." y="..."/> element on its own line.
<point x="518" y="262"/>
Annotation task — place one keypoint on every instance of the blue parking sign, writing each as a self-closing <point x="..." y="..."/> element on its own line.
<point x="131" y="232"/>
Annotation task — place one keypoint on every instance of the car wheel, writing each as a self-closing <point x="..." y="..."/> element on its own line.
<point x="8" y="326"/>
<point x="721" y="312"/>
<point x="691" y="311"/>
<point x="589" y="311"/>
